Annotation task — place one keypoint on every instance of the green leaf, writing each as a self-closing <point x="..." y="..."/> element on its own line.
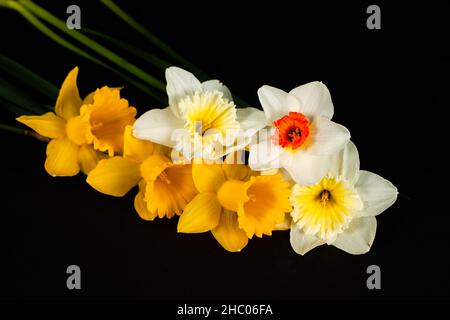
<point x="13" y="95"/>
<point x="14" y="109"/>
<point x="55" y="37"/>
<point x="106" y="53"/>
<point x="133" y="50"/>
<point x="28" y="77"/>
<point x="154" y="39"/>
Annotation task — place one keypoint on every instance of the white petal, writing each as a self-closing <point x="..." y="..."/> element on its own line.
<point x="302" y="243"/>
<point x="305" y="168"/>
<point x="264" y="155"/>
<point x="346" y="163"/>
<point x="250" y="119"/>
<point x="180" y="83"/>
<point x="315" y="100"/>
<point x="377" y="193"/>
<point x="216" y="85"/>
<point x="157" y="125"/>
<point x="327" y="137"/>
<point x="276" y="103"/>
<point x="358" y="237"/>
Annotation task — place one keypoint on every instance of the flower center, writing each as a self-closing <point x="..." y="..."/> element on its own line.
<point x="325" y="197"/>
<point x="164" y="177"/>
<point x="208" y="110"/>
<point x="324" y="209"/>
<point x="292" y="130"/>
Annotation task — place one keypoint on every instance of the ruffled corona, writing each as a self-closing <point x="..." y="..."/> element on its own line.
<point x="324" y="209"/>
<point x="168" y="187"/>
<point x="107" y="115"/>
<point x="266" y="201"/>
<point x="208" y="114"/>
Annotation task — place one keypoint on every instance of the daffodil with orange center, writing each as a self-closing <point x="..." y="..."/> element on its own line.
<point x="300" y="134"/>
<point x="76" y="140"/>
<point x="235" y="204"/>
<point x="164" y="187"/>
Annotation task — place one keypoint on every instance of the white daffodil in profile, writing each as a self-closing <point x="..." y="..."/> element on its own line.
<point x="340" y="208"/>
<point x="300" y="131"/>
<point x="201" y="117"/>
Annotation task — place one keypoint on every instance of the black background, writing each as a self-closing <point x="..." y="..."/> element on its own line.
<point x="389" y="88"/>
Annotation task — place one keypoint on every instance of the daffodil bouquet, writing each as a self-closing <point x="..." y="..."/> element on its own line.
<point x="236" y="172"/>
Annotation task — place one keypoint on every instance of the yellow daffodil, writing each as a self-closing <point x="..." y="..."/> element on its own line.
<point x="235" y="204"/>
<point x="164" y="187"/>
<point x="80" y="129"/>
<point x="201" y="119"/>
<point x="68" y="150"/>
<point x="340" y="208"/>
<point x="107" y="115"/>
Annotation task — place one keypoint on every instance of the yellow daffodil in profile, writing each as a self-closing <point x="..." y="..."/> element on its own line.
<point x="235" y="204"/>
<point x="80" y="129"/>
<point x="164" y="187"/>
<point x="68" y="150"/>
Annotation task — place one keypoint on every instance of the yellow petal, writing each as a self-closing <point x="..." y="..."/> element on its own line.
<point x="69" y="102"/>
<point x="141" y="206"/>
<point x="267" y="204"/>
<point x="286" y="224"/>
<point x="171" y="191"/>
<point x="153" y="166"/>
<point x="108" y="116"/>
<point x="89" y="99"/>
<point x="208" y="177"/>
<point x="135" y="148"/>
<point x="77" y="130"/>
<point x="47" y="125"/>
<point x="62" y="158"/>
<point x="235" y="168"/>
<point x="237" y="171"/>
<point x="201" y="214"/>
<point x="232" y="194"/>
<point x="88" y="158"/>
<point x="114" y="176"/>
<point x="228" y="233"/>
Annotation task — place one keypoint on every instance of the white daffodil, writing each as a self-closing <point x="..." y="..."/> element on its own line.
<point x="300" y="131"/>
<point x="201" y="117"/>
<point x="340" y="208"/>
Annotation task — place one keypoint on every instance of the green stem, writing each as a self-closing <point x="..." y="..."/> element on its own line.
<point x="12" y="129"/>
<point x="153" y="39"/>
<point x="111" y="56"/>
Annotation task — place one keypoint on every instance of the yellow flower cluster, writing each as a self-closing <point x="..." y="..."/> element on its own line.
<point x="96" y="135"/>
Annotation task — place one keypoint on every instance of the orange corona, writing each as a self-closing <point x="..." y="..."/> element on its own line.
<point x="292" y="130"/>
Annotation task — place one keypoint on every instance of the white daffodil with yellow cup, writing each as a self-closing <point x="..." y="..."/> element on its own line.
<point x="201" y="120"/>
<point x="339" y="209"/>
